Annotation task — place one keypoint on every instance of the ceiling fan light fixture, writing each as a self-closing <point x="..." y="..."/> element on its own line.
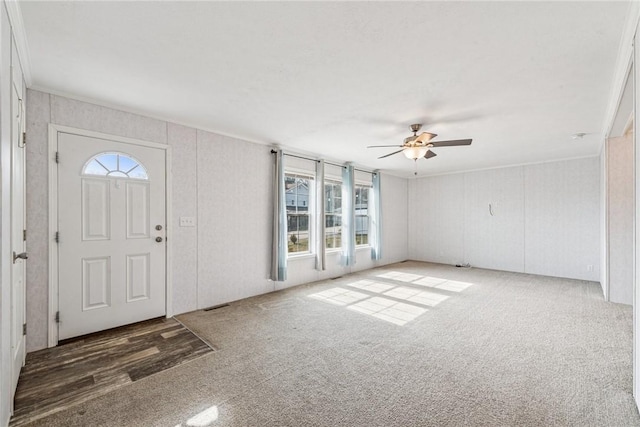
<point x="415" y="153"/>
<point x="425" y="137"/>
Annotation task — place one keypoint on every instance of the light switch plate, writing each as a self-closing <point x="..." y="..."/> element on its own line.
<point x="187" y="221"/>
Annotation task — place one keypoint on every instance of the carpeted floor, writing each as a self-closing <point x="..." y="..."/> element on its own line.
<point x="411" y="344"/>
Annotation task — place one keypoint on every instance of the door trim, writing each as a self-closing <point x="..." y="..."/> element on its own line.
<point x="54" y="130"/>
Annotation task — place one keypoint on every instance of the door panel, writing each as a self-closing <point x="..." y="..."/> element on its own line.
<point x="138" y="277"/>
<point x="96" y="283"/>
<point x="137" y="210"/>
<point x="111" y="197"/>
<point x="96" y="209"/>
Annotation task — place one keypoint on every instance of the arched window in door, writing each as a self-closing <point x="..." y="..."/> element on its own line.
<point x="115" y="165"/>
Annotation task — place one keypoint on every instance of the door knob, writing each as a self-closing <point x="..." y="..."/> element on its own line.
<point x="16" y="257"/>
<point x="158" y="239"/>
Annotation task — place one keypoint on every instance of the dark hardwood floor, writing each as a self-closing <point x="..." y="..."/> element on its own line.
<point x="83" y="368"/>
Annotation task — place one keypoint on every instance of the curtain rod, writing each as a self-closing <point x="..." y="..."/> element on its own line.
<point x="316" y="160"/>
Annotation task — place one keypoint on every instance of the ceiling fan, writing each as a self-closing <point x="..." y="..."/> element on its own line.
<point x="418" y="146"/>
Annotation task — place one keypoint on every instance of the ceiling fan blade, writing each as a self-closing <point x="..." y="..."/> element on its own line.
<point x="451" y="143"/>
<point x="425" y="137"/>
<point x="376" y="146"/>
<point x="429" y="154"/>
<point x="390" y="154"/>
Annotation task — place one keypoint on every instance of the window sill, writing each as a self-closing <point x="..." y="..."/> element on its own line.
<point x="300" y="256"/>
<point x="363" y="247"/>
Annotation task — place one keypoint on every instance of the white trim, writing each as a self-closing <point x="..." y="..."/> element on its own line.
<point x="508" y="166"/>
<point x="623" y="65"/>
<point x="636" y="228"/>
<point x="107" y="137"/>
<point x="311" y="210"/>
<point x="20" y="37"/>
<point x="52" y="339"/>
<point x="54" y="130"/>
<point x="300" y="255"/>
<point x="168" y="299"/>
<point x="605" y="213"/>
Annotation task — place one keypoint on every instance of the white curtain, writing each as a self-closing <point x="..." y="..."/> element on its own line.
<point x="348" y="217"/>
<point x="375" y="206"/>
<point x="279" y="246"/>
<point x="320" y="224"/>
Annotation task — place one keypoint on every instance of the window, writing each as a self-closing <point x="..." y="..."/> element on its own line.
<point x="115" y="165"/>
<point x="297" y="191"/>
<point x="362" y="214"/>
<point x="333" y="214"/>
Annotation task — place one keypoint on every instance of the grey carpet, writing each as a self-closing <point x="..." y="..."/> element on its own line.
<point x="507" y="350"/>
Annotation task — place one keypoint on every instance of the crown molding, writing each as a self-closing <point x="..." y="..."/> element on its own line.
<point x="624" y="62"/>
<point x="20" y="37"/>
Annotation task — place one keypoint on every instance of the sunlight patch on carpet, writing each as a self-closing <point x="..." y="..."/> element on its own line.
<point x="417" y="296"/>
<point x="400" y="276"/>
<point x="339" y="296"/>
<point x="403" y="303"/>
<point x="386" y="309"/>
<point x="371" y="286"/>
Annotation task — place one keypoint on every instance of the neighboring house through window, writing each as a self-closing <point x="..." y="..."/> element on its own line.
<point x="333" y="214"/>
<point x="297" y="197"/>
<point x="362" y="214"/>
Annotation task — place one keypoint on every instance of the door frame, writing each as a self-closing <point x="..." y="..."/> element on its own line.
<point x="54" y="130"/>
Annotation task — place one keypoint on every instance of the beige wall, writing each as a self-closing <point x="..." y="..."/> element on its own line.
<point x="545" y="219"/>
<point x="620" y="218"/>
<point x="225" y="183"/>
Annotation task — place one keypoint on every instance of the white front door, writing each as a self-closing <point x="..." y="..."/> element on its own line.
<point x="111" y="224"/>
<point x="17" y="237"/>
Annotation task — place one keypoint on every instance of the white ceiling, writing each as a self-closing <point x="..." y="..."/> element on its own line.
<point x="331" y="78"/>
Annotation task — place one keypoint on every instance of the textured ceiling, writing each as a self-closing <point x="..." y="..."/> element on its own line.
<point x="331" y="78"/>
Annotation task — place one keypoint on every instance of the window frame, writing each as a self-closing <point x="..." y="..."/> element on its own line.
<point x="334" y="180"/>
<point x="369" y="187"/>
<point x="311" y="178"/>
<point x="109" y="172"/>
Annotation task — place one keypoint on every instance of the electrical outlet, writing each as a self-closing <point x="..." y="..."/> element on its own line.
<point x="187" y="221"/>
<point x="589" y="267"/>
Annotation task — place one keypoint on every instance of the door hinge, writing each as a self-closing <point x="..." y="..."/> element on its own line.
<point x="57" y="317"/>
<point x="24" y="329"/>
<point x="57" y="237"/>
<point x="24" y="138"/>
<point x="24" y="235"/>
<point x="57" y="157"/>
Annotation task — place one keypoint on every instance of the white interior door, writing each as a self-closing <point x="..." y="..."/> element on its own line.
<point x="17" y="236"/>
<point x="111" y="219"/>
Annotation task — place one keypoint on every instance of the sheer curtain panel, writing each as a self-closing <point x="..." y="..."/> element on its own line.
<point x="279" y="246"/>
<point x="348" y="217"/>
<point x="376" y="219"/>
<point x="320" y="222"/>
